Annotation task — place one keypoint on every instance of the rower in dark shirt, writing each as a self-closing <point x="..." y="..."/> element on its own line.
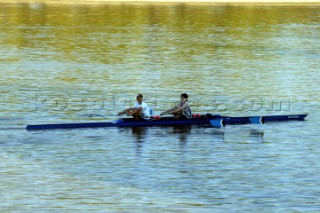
<point x="181" y="109"/>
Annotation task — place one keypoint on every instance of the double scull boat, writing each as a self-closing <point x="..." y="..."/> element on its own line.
<point x="204" y="120"/>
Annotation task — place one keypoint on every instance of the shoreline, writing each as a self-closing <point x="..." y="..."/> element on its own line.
<point x="267" y="2"/>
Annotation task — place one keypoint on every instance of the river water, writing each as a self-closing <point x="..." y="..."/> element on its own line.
<point x="84" y="62"/>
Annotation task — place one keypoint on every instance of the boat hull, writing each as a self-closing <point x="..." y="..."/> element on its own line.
<point x="169" y="121"/>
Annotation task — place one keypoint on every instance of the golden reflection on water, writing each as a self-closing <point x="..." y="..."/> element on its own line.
<point x="160" y="50"/>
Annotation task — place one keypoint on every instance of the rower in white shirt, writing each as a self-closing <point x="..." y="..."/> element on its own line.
<point x="139" y="110"/>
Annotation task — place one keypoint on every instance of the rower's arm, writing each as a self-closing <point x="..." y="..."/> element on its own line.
<point x="167" y="111"/>
<point x="179" y="109"/>
<point x="125" y="111"/>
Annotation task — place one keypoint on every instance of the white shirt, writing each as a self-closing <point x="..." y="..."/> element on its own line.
<point x="145" y="109"/>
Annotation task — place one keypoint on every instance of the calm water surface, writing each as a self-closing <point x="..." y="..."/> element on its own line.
<point x="72" y="63"/>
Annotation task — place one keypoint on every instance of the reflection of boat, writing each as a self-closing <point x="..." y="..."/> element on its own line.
<point x="208" y="119"/>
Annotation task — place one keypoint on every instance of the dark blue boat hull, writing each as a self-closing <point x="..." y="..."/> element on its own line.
<point x="169" y="121"/>
<point x="265" y="119"/>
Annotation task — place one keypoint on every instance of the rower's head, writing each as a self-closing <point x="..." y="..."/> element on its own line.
<point x="139" y="98"/>
<point x="184" y="97"/>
